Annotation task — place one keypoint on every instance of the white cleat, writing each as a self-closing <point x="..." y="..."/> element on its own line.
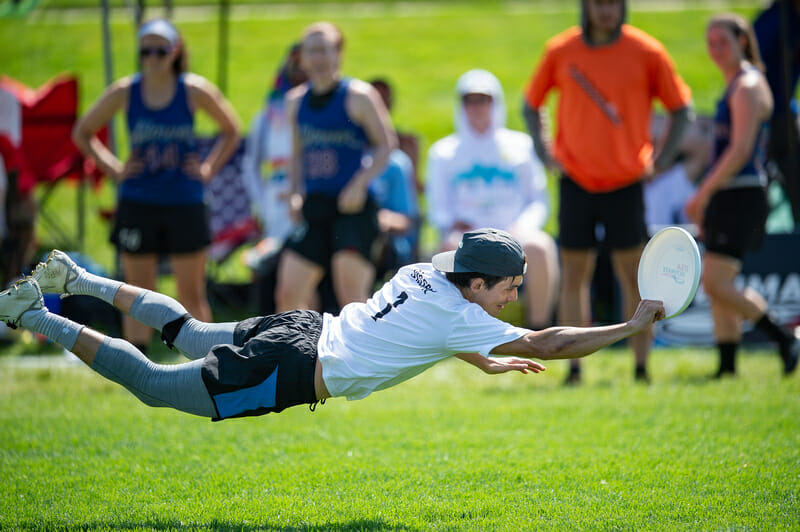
<point x="54" y="273"/>
<point x="24" y="295"/>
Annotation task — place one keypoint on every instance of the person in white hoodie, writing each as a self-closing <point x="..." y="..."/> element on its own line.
<point x="485" y="175"/>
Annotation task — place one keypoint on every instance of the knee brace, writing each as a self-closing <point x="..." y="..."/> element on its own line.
<point x="170" y="330"/>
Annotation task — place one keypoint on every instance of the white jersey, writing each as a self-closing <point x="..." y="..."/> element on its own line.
<point x="415" y="320"/>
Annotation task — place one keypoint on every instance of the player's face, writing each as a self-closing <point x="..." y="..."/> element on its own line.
<point x="493" y="299"/>
<point x="722" y="46"/>
<point x="478" y="109"/>
<point x="156" y="55"/>
<point x="319" y="57"/>
<point x="604" y="15"/>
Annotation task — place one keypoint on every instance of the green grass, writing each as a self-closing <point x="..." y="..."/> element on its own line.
<point x="450" y="450"/>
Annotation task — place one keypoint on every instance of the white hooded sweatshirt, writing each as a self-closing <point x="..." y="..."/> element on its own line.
<point x="485" y="180"/>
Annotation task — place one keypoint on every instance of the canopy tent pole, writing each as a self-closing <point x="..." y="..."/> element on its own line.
<point x="222" y="45"/>
<point x="108" y="67"/>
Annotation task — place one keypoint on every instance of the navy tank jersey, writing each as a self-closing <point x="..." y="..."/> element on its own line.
<point x="333" y="145"/>
<point x="161" y="139"/>
<point x="753" y="173"/>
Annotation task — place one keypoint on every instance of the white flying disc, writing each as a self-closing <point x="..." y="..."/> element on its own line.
<point x="669" y="269"/>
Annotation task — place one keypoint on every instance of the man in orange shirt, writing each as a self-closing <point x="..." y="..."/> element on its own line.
<point x="607" y="74"/>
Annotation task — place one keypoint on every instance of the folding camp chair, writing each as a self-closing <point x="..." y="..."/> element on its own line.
<point x="47" y="155"/>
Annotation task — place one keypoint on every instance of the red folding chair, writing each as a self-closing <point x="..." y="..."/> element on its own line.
<point x="47" y="154"/>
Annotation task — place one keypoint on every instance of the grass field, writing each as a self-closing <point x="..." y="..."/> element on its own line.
<point x="450" y="450"/>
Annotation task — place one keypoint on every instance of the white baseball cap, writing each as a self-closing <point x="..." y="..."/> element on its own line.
<point x="160" y="27"/>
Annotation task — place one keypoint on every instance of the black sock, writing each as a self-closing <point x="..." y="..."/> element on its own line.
<point x="141" y="347"/>
<point x="774" y="331"/>
<point x="727" y="357"/>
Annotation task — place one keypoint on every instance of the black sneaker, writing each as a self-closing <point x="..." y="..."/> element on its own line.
<point x="573" y="377"/>
<point x="640" y="375"/>
<point x="789" y="355"/>
<point x="724" y="372"/>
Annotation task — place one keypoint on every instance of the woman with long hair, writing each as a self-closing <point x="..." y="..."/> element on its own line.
<point x="730" y="205"/>
<point x="161" y="208"/>
<point x="342" y="140"/>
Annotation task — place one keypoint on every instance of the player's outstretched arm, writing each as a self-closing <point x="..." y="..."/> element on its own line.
<point x="575" y="342"/>
<point x="493" y="366"/>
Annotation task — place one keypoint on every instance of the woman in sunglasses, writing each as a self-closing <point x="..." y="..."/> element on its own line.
<point x="161" y="207"/>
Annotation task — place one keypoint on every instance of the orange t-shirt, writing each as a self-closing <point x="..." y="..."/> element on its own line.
<point x="606" y="98"/>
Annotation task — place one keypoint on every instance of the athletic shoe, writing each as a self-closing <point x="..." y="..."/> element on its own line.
<point x="641" y="375"/>
<point x="573" y="377"/>
<point x="724" y="372"/>
<point x="54" y="273"/>
<point x="790" y="355"/>
<point x="24" y="295"/>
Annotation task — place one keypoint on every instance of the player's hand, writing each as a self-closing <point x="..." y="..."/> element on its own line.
<point x="296" y="207"/>
<point x="647" y="313"/>
<point x="649" y="172"/>
<point x="194" y="167"/>
<point x="496" y="365"/>
<point x="352" y="198"/>
<point x="695" y="208"/>
<point x="133" y="166"/>
<point x="552" y="164"/>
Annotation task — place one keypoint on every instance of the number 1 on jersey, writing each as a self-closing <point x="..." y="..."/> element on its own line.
<point x="401" y="298"/>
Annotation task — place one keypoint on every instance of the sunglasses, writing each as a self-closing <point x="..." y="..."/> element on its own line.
<point x="159" y="51"/>
<point x="476" y="99"/>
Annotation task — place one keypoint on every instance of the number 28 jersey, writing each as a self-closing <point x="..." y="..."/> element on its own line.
<point x="332" y="144"/>
<point x="415" y="320"/>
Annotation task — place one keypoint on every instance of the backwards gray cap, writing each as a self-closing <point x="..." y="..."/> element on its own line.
<point x="486" y="251"/>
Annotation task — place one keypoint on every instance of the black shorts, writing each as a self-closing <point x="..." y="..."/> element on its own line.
<point x="735" y="221"/>
<point x="142" y="228"/>
<point x="620" y="212"/>
<point x="269" y="368"/>
<point x="325" y="231"/>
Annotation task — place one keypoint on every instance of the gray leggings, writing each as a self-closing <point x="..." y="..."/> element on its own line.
<point x="178" y="386"/>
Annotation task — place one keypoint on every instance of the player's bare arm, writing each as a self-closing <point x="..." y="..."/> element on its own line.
<point x="114" y="99"/>
<point x="670" y="145"/>
<point x="295" y="171"/>
<point x="534" y="120"/>
<point x="575" y="342"/>
<point x="365" y="107"/>
<point x="749" y="107"/>
<point x="208" y="98"/>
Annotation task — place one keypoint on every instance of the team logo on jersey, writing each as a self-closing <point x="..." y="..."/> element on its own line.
<point x="423" y="283"/>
